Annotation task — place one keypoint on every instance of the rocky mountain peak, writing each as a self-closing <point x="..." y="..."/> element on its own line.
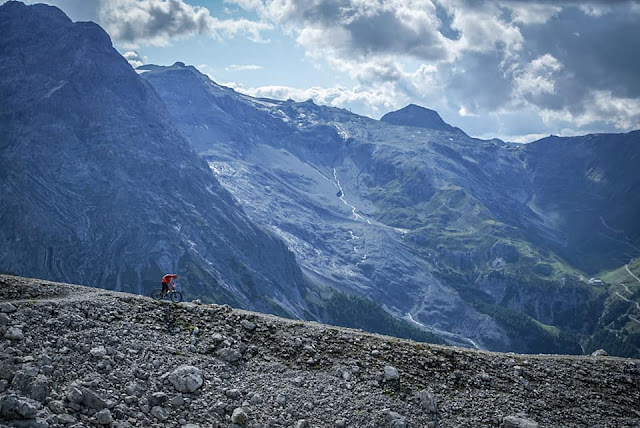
<point x="17" y="9"/>
<point x="419" y="117"/>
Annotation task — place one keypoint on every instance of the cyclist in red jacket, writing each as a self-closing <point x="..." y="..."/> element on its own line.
<point x="167" y="282"/>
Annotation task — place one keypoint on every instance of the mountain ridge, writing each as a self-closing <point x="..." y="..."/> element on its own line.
<point x="473" y="219"/>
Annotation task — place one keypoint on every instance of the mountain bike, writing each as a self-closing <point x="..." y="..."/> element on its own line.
<point x="172" y="294"/>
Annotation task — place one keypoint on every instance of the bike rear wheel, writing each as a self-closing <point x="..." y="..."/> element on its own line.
<point x="156" y="294"/>
<point x="176" y="297"/>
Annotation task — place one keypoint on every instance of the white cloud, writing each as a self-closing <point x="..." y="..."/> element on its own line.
<point x="157" y="22"/>
<point x="134" y="58"/>
<point x="397" y="52"/>
<point x="243" y="67"/>
<point x="362" y="28"/>
<point x="537" y="77"/>
<point x="375" y="101"/>
<point x="529" y="13"/>
<point x="599" y="105"/>
<point x="596" y="10"/>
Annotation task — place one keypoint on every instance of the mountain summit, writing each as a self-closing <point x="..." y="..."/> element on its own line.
<point x="419" y="117"/>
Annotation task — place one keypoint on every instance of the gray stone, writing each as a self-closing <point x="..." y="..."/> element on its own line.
<point x="391" y="373"/>
<point x="14" y="333"/>
<point x="98" y="352"/>
<point x="157" y="399"/>
<point x="38" y="389"/>
<point x="395" y="420"/>
<point x="340" y="423"/>
<point x="302" y="423"/>
<point x="104" y="417"/>
<point x="74" y="394"/>
<point x="298" y="381"/>
<point x="233" y="393"/>
<point x="15" y="407"/>
<point x="7" y="307"/>
<point x="518" y="422"/>
<point x="239" y="416"/>
<point x="160" y="413"/>
<point x="66" y="419"/>
<point x="248" y="325"/>
<point x="599" y="353"/>
<point x="177" y="401"/>
<point x="4" y="319"/>
<point x="427" y="401"/>
<point x="186" y="378"/>
<point x="56" y="407"/>
<point x="256" y="399"/>
<point x="7" y="370"/>
<point x="281" y="399"/>
<point x="228" y="354"/>
<point x="92" y="400"/>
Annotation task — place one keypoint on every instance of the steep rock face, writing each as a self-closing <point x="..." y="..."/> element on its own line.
<point x="207" y="365"/>
<point x="98" y="186"/>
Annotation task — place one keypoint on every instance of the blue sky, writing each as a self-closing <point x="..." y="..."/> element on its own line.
<point x="516" y="69"/>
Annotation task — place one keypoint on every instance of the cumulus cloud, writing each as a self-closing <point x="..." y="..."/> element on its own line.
<point x="552" y="60"/>
<point x="537" y="78"/>
<point x="519" y="67"/>
<point x="157" y="22"/>
<point x="378" y="100"/>
<point x="362" y="28"/>
<point x="134" y="58"/>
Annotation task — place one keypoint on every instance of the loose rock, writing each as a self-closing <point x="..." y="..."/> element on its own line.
<point x="186" y="378"/>
<point x="518" y="422"/>
<point x="391" y="373"/>
<point x="15" y="407"/>
<point x="7" y="307"/>
<point x="239" y="416"/>
<point x="104" y="417"/>
<point x="160" y="413"/>
<point x="14" y="333"/>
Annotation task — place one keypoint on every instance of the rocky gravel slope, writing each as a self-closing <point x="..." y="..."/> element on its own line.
<point x="79" y="356"/>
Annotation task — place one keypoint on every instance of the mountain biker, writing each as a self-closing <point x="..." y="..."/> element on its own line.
<point x="167" y="281"/>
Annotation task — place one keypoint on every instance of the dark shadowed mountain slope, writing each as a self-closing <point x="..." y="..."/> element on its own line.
<point x="99" y="187"/>
<point x="587" y="189"/>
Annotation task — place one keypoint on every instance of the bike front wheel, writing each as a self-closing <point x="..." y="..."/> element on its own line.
<point x="176" y="297"/>
<point x="156" y="294"/>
